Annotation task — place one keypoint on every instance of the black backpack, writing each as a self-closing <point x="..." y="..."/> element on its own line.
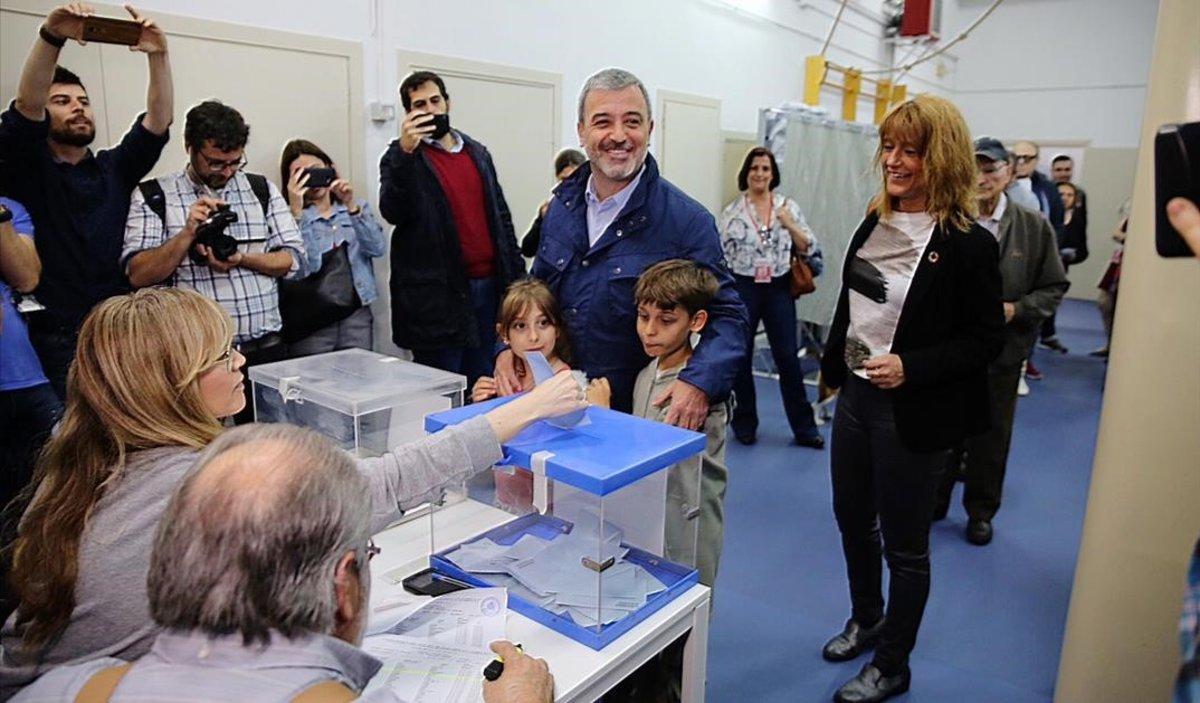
<point x="156" y="200"/>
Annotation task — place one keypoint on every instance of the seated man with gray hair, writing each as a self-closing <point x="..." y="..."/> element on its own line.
<point x="259" y="581"/>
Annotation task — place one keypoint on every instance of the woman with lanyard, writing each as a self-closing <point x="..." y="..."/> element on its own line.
<point x="758" y="231"/>
<point x="918" y="320"/>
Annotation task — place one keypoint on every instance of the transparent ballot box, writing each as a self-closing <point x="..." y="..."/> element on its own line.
<point x="366" y="402"/>
<point x="604" y="521"/>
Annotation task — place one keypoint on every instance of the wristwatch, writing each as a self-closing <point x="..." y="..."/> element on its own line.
<point x="57" y="42"/>
<point x="5" y="215"/>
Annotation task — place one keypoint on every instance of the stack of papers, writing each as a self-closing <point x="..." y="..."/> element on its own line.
<point x="437" y="653"/>
<point x="551" y="574"/>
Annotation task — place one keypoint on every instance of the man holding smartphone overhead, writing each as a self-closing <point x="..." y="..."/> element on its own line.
<point x="453" y="247"/>
<point x="78" y="198"/>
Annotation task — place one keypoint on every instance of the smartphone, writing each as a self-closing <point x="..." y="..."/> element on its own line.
<point x="319" y="177"/>
<point x="1176" y="174"/>
<point x="110" y="30"/>
<point x="441" y="125"/>
<point x="431" y="583"/>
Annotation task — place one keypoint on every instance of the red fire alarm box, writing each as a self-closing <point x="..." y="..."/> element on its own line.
<point x="922" y="18"/>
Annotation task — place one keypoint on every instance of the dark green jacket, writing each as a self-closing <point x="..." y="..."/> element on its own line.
<point x="1032" y="277"/>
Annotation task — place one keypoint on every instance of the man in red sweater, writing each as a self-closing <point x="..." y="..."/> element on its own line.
<point x="453" y="248"/>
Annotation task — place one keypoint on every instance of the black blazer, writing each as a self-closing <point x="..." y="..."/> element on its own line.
<point x="950" y="328"/>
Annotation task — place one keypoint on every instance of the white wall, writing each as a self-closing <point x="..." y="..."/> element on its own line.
<point x="747" y="53"/>
<point x="1055" y="69"/>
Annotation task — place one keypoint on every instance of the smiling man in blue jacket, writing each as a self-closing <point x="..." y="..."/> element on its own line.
<point x="613" y="218"/>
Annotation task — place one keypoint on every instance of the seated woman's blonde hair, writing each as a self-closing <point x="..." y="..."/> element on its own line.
<point x="133" y="385"/>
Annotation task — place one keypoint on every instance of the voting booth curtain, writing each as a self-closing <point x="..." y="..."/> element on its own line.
<point x="826" y="167"/>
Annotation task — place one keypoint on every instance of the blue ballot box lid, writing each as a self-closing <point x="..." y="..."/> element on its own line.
<point x="604" y="455"/>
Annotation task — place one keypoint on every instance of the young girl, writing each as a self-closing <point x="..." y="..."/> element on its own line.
<point x="529" y="320"/>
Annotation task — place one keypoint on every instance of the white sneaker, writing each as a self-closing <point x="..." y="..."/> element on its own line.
<point x="1022" y="387"/>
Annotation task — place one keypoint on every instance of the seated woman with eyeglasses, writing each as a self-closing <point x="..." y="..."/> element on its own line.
<point x="154" y="374"/>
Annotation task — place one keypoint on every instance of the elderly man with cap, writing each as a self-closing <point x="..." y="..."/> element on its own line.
<point x="259" y="580"/>
<point x="1033" y="285"/>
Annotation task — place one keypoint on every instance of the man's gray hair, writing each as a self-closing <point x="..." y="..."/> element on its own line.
<point x="612" y="79"/>
<point x="251" y="539"/>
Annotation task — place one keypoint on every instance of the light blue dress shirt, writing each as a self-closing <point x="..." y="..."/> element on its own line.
<point x="602" y="213"/>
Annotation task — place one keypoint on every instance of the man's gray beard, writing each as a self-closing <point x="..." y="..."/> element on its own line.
<point x="71" y="138"/>
<point x="633" y="168"/>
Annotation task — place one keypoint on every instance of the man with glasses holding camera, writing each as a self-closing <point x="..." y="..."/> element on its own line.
<point x="77" y="198"/>
<point x="219" y="231"/>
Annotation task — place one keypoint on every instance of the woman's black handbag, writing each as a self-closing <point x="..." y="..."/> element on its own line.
<point x="323" y="298"/>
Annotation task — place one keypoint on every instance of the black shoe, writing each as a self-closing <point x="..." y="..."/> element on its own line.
<point x="871" y="686"/>
<point x="979" y="532"/>
<point x="852" y="641"/>
<point x="814" y="442"/>
<point x="940" y="511"/>
<point x="1102" y="352"/>
<point x="745" y="437"/>
<point x="1053" y="343"/>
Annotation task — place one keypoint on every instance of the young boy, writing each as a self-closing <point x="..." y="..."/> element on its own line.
<point x="671" y="299"/>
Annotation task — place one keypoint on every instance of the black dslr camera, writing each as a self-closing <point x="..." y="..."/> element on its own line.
<point x="211" y="233"/>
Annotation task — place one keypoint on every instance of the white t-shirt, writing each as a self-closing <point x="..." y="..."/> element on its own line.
<point x="878" y="281"/>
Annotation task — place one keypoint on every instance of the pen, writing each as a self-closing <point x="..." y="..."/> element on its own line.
<point x="495" y="667"/>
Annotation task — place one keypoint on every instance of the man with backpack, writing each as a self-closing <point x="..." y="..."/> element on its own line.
<point x="219" y="231"/>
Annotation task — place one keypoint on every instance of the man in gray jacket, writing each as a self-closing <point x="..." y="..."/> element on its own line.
<point x="1033" y="286"/>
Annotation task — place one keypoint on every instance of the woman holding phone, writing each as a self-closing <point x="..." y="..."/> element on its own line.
<point x="341" y="237"/>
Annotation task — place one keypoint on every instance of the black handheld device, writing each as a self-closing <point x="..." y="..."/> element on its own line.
<point x="431" y="583"/>
<point x="1176" y="175"/>
<point x="319" y="177"/>
<point x="441" y="125"/>
<point x="111" y="30"/>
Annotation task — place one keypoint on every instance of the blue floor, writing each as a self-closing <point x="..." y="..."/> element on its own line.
<point x="994" y="624"/>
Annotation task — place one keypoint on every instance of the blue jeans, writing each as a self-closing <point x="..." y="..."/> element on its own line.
<point x="772" y="303"/>
<point x="26" y="415"/>
<point x="54" y="343"/>
<point x="476" y="361"/>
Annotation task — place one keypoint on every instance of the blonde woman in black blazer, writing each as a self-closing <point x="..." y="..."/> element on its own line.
<point x="918" y="320"/>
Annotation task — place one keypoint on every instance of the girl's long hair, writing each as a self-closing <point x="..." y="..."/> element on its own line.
<point x="530" y="291"/>
<point x="133" y="385"/>
<point x="938" y="131"/>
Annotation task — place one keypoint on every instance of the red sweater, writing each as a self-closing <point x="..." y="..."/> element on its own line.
<point x="464" y="190"/>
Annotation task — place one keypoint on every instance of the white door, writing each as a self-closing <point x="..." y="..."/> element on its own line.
<point x="689" y="145"/>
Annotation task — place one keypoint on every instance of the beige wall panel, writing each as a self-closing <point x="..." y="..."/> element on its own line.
<point x="1142" y="519"/>
<point x="733" y="150"/>
<point x="276" y="96"/>
<point x="689" y="145"/>
<point x="1108" y="181"/>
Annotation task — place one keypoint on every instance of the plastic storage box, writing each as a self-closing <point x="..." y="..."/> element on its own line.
<point x="600" y="547"/>
<point x="366" y="402"/>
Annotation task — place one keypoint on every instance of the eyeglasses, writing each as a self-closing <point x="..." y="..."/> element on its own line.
<point x="1022" y="158"/>
<point x="991" y="170"/>
<point x="372" y="550"/>
<point x="226" y="358"/>
<point x="216" y="166"/>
